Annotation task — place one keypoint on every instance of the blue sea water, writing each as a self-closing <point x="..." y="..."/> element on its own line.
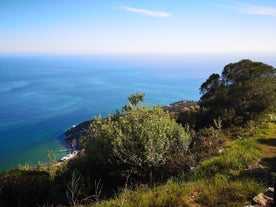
<point x="42" y="96"/>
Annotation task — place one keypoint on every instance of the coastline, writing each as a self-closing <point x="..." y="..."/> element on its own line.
<point x="73" y="134"/>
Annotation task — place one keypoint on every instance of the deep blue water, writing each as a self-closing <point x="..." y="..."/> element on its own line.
<point x="42" y="96"/>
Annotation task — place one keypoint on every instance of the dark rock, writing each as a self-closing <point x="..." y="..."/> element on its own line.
<point x="75" y="133"/>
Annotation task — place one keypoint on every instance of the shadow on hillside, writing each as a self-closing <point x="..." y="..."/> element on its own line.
<point x="269" y="142"/>
<point x="271" y="160"/>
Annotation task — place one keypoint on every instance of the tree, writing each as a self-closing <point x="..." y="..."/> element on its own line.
<point x="134" y="100"/>
<point x="244" y="91"/>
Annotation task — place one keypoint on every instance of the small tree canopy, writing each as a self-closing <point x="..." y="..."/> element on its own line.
<point x="136" y="98"/>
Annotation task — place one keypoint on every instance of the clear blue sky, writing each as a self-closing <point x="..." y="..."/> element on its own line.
<point x="137" y="26"/>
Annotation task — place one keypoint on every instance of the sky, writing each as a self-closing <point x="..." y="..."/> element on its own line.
<point x="137" y="26"/>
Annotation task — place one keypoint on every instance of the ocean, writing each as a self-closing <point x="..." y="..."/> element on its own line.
<point x="42" y="95"/>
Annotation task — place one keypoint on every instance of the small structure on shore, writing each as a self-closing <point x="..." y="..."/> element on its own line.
<point x="70" y="156"/>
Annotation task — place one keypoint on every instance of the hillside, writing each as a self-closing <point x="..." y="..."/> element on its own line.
<point x="230" y="179"/>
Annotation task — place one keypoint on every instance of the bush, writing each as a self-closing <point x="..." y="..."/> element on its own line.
<point x="206" y="143"/>
<point x="24" y="188"/>
<point x="140" y="140"/>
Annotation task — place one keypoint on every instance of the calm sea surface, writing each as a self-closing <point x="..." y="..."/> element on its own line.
<point x="42" y="96"/>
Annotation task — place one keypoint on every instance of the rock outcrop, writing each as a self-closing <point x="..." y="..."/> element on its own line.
<point x="263" y="199"/>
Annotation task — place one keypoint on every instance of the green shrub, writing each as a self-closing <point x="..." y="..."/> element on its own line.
<point x="140" y="140"/>
<point x="24" y="188"/>
<point x="206" y="143"/>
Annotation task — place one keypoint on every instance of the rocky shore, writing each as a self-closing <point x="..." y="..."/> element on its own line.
<point x="74" y="134"/>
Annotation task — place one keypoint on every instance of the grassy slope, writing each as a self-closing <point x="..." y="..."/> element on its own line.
<point x="267" y="139"/>
<point x="219" y="181"/>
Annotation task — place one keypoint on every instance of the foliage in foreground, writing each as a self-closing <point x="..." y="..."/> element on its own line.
<point x="218" y="191"/>
<point x="140" y="140"/>
<point x="24" y="187"/>
<point x="220" y="181"/>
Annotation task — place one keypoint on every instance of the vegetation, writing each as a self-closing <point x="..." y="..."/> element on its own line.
<point x="244" y="91"/>
<point x="141" y="144"/>
<point x="24" y="187"/>
<point x="223" y="180"/>
<point x="140" y="140"/>
<point x="185" y="154"/>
